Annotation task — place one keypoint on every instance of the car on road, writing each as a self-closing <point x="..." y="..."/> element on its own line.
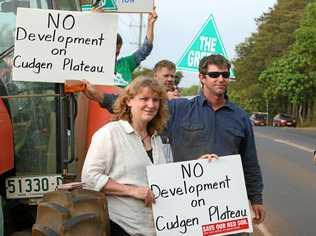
<point x="259" y="118"/>
<point x="283" y="120"/>
<point x="315" y="157"/>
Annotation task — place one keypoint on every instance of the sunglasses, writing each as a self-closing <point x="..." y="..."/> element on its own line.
<point x="216" y="74"/>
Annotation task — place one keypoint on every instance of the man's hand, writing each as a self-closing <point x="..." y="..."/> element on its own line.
<point x="152" y="17"/>
<point x="259" y="213"/>
<point x="92" y="93"/>
<point x="210" y="157"/>
<point x="97" y="9"/>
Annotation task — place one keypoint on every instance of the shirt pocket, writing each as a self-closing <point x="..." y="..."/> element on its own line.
<point x="194" y="134"/>
<point x="234" y="137"/>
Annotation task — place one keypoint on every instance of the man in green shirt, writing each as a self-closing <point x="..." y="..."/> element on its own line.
<point x="126" y="65"/>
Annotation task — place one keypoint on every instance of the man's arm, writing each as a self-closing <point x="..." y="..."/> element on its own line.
<point x="147" y="46"/>
<point x="92" y="93"/>
<point x="253" y="176"/>
<point x="152" y="17"/>
<point x="106" y="100"/>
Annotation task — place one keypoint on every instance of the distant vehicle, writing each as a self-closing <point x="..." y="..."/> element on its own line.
<point x="282" y="120"/>
<point x="259" y="118"/>
<point x="315" y="157"/>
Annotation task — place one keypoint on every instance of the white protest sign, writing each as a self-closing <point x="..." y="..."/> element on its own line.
<point x="135" y="5"/>
<point x="54" y="46"/>
<point x="200" y="198"/>
<point x="122" y="6"/>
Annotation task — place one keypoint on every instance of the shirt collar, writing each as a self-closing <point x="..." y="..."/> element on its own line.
<point x="128" y="128"/>
<point x="202" y="100"/>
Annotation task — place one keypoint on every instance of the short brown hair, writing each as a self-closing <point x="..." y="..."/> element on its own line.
<point x="215" y="59"/>
<point x="123" y="112"/>
<point x="164" y="63"/>
<point x="119" y="39"/>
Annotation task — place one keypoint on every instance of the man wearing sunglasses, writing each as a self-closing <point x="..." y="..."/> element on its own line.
<point x="210" y="123"/>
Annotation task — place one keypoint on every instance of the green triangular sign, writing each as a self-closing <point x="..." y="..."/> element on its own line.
<point x="110" y="5"/>
<point x="206" y="42"/>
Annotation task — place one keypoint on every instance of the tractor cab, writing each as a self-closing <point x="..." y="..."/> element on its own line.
<point x="37" y="123"/>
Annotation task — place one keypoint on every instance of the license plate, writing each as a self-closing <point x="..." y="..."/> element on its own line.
<point x="289" y="123"/>
<point x="31" y="186"/>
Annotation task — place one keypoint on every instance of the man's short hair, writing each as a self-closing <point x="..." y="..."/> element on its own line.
<point x="164" y="64"/>
<point x="119" y="40"/>
<point x="215" y="59"/>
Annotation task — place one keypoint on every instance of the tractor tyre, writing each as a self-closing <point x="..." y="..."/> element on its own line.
<point x="72" y="213"/>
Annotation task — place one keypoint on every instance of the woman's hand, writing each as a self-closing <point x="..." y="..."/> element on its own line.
<point x="144" y="193"/>
<point x="209" y="157"/>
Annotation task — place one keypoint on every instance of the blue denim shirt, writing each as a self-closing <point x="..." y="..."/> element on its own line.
<point x="194" y="129"/>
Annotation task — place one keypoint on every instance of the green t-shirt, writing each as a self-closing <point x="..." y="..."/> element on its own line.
<point x="124" y="70"/>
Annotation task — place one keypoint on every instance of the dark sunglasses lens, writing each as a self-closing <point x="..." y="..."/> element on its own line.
<point x="213" y="74"/>
<point x="225" y="74"/>
<point x="217" y="74"/>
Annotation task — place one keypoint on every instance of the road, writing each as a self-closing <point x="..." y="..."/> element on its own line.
<point x="285" y="155"/>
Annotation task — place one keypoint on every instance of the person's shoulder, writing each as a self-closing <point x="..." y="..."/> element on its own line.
<point x="107" y="128"/>
<point x="126" y="59"/>
<point x="184" y="104"/>
<point x="183" y="101"/>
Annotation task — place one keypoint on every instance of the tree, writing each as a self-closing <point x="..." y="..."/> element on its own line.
<point x="294" y="75"/>
<point x="179" y="76"/>
<point x="273" y="40"/>
<point x="191" y="91"/>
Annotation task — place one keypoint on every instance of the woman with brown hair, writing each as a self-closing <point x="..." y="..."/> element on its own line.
<point x="120" y="151"/>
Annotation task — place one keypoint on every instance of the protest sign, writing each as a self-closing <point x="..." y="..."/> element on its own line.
<point x="120" y="6"/>
<point x="54" y="46"/>
<point x="200" y="197"/>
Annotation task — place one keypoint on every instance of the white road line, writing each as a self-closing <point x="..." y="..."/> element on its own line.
<point x="294" y="145"/>
<point x="263" y="229"/>
<point x="287" y="142"/>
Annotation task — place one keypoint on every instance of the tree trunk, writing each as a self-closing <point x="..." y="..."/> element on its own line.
<point x="311" y="110"/>
<point x="300" y="113"/>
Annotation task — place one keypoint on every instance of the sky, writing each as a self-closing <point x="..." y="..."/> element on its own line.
<point x="179" y="21"/>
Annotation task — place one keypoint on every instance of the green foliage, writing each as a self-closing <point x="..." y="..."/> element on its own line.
<point x="179" y="76"/>
<point x="191" y="91"/>
<point x="277" y="63"/>
<point x="284" y="78"/>
<point x="294" y="75"/>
